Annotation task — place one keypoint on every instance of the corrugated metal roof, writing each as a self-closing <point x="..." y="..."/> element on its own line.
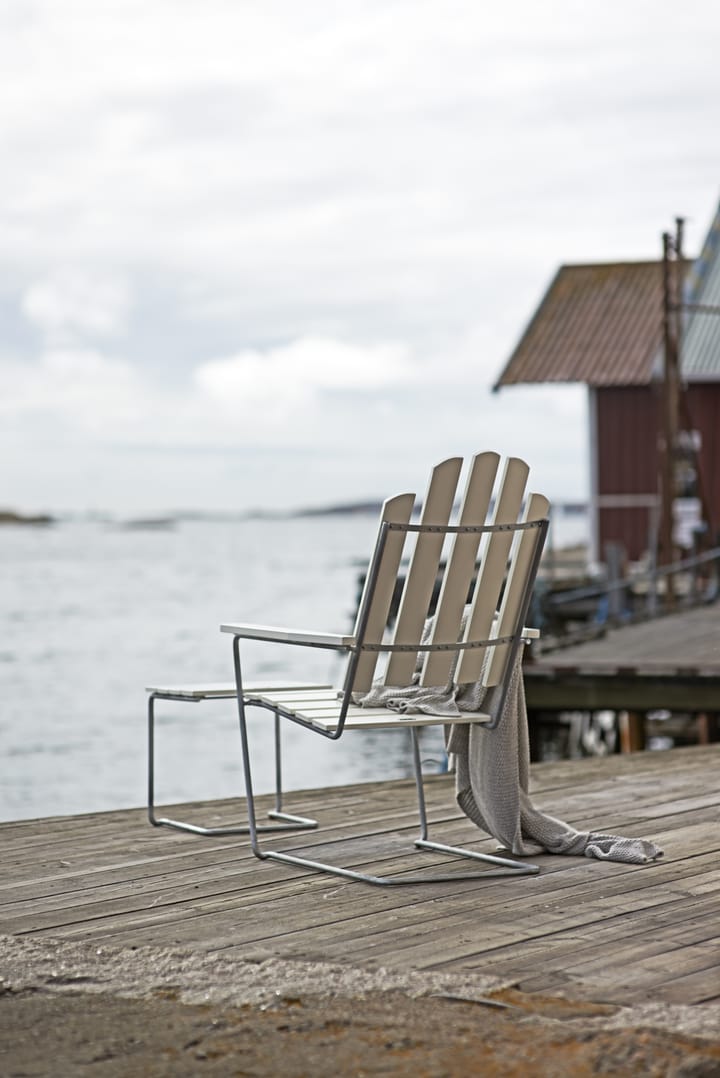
<point x="597" y="324"/>
<point x="700" y="350"/>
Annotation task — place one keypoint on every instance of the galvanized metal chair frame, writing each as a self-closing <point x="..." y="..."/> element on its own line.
<point x="196" y="694"/>
<point x="496" y="650"/>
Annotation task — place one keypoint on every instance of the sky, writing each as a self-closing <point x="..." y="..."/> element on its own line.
<point x="261" y="253"/>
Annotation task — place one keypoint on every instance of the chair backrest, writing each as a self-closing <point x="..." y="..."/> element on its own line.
<point x="489" y="566"/>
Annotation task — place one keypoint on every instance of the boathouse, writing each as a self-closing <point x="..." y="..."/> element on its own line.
<point x="605" y="326"/>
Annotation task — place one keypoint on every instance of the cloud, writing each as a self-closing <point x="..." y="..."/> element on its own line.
<point x="81" y="389"/>
<point x="240" y="400"/>
<point x="305" y="393"/>
<point x="72" y="303"/>
<point x="311" y="422"/>
<point x="299" y="373"/>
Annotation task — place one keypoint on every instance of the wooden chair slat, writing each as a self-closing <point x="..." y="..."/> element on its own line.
<point x="368" y="718"/>
<point x="325" y="713"/>
<point x="300" y="700"/>
<point x="396" y="510"/>
<point x="422" y="571"/>
<point x="460" y="567"/>
<point x="492" y="571"/>
<point x="524" y="546"/>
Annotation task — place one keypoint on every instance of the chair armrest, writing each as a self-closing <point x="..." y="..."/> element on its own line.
<point x="310" y="637"/>
<point x="289" y="636"/>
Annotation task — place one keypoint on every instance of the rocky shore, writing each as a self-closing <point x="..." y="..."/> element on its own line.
<point x="81" y="1009"/>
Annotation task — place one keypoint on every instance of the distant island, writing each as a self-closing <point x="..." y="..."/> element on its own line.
<point x="172" y="519"/>
<point x="7" y="516"/>
<point x="164" y="523"/>
<point x="148" y="523"/>
<point x="340" y="510"/>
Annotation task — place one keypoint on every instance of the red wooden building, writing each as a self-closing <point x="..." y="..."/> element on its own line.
<point x="602" y="325"/>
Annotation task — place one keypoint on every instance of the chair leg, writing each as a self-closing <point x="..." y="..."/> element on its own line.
<point x="290" y="822"/>
<point x="505" y="867"/>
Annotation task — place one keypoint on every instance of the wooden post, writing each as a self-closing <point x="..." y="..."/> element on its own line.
<point x="632" y="731"/>
<point x="672" y="323"/>
<point x="708" y="727"/>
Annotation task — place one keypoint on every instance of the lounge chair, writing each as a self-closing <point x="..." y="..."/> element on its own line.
<point x="473" y="638"/>
<point x="195" y="694"/>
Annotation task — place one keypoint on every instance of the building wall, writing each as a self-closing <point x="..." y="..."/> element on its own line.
<point x="703" y="414"/>
<point x="626" y="424"/>
<point x="625" y="482"/>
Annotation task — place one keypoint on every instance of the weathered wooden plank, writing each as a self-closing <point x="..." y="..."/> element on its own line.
<point x="648" y="928"/>
<point x="103" y="838"/>
<point x="684" y="638"/>
<point x="643" y="969"/>
<point x="215" y="876"/>
<point x="185" y="859"/>
<point x="702" y="986"/>
<point x="419" y="951"/>
<point x="130" y="884"/>
<point x="282" y="911"/>
<point x="473" y="939"/>
<point x="237" y="865"/>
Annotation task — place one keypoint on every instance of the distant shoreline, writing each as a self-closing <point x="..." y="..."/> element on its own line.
<point x="7" y="516"/>
<point x="347" y="509"/>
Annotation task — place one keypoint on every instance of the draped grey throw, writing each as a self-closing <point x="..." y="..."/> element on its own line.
<point x="492" y="770"/>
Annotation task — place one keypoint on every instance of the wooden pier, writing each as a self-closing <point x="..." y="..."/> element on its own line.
<point x="668" y="663"/>
<point x="583" y="928"/>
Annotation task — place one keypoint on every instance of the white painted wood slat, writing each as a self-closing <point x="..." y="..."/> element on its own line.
<point x="371" y="719"/>
<point x="292" y="701"/>
<point x="523" y="548"/>
<point x="460" y="567"/>
<point x="492" y="571"/>
<point x="288" y="636"/>
<point x="226" y="690"/>
<point x="324" y="713"/>
<point x="423" y="569"/>
<point x="396" y="510"/>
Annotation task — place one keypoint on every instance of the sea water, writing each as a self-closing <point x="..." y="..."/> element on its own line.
<point x="92" y="612"/>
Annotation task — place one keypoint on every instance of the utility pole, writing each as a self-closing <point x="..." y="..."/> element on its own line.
<point x="670" y="403"/>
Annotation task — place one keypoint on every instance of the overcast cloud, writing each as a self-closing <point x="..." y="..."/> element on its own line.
<point x="265" y="252"/>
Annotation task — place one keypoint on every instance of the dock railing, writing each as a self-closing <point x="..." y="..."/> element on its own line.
<point x="637" y="595"/>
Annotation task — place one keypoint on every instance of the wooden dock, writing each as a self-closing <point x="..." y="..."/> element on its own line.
<point x="669" y="663"/>
<point x="583" y="928"/>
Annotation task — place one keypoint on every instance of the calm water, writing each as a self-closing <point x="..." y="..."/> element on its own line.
<point x="90" y="614"/>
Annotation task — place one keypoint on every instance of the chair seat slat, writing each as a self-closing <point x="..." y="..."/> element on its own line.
<point x="318" y="693"/>
<point x="224" y="691"/>
<point x="389" y="720"/>
<point x="323" y="711"/>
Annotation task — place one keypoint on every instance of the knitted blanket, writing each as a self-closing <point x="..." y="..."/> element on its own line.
<point x="492" y="769"/>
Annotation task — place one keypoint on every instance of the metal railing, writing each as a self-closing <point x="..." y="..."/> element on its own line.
<point x="640" y="595"/>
